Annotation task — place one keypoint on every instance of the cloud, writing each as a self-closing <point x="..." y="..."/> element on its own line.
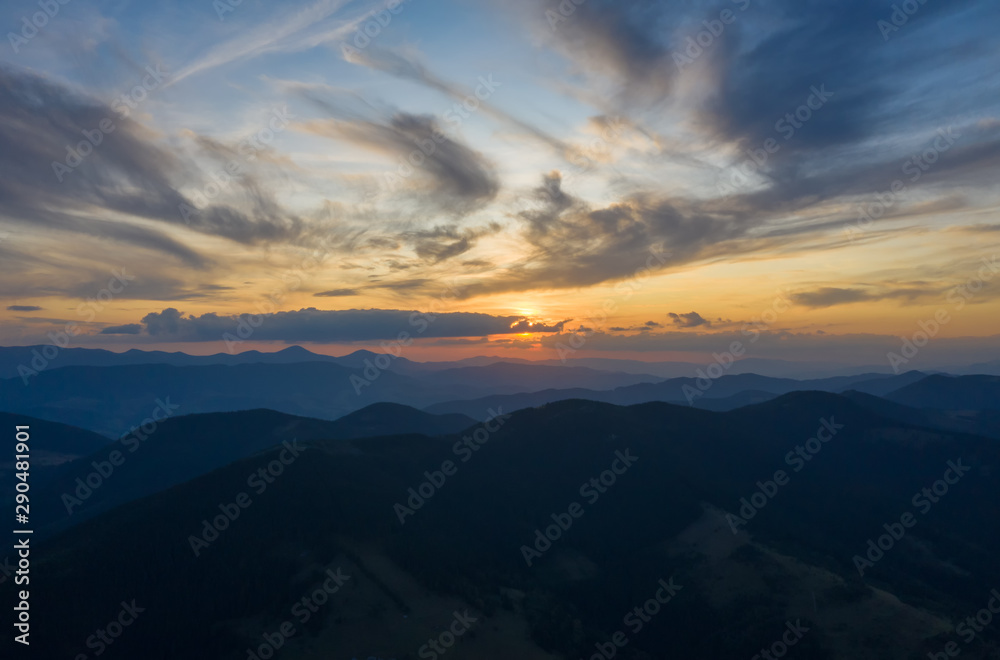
<point x="332" y="326"/>
<point x="837" y="350"/>
<point x="286" y="32"/>
<point x="407" y="67"/>
<point x="570" y="243"/>
<point x="689" y="320"/>
<point x="617" y="45"/>
<point x="124" y="178"/>
<point x="445" y="242"/>
<point x="127" y="329"/>
<point x="648" y="326"/>
<point x="38" y="120"/>
<point x="832" y="296"/>
<point x="337" y="293"/>
<point x="417" y="144"/>
<point x="24" y="308"/>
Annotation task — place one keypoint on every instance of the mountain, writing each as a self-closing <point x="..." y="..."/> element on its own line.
<point x="724" y="404"/>
<point x="723" y="393"/>
<point x="951" y="393"/>
<point x="111" y="400"/>
<point x="667" y="369"/>
<point x="50" y="445"/>
<point x="182" y="448"/>
<point x="991" y="368"/>
<point x="34" y="357"/>
<point x="396" y="419"/>
<point x="634" y="501"/>
<point x="975" y="422"/>
<point x="507" y="377"/>
<point x="883" y="385"/>
<point x="512" y="402"/>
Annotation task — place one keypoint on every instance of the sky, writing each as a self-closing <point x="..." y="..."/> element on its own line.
<point x="652" y="180"/>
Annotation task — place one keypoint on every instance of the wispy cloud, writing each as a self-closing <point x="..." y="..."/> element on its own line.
<point x="286" y="33"/>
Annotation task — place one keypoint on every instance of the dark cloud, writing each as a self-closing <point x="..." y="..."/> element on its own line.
<point x="408" y="68"/>
<point x="418" y="145"/>
<point x="127" y="329"/>
<point x="621" y="41"/>
<point x="456" y="169"/>
<point x="979" y="229"/>
<point x="331" y="326"/>
<point x="832" y="296"/>
<point x="817" y="44"/>
<point x="337" y="293"/>
<point x="24" y="308"/>
<point x="570" y="243"/>
<point x="877" y="96"/>
<point x="442" y="243"/>
<point x="125" y="173"/>
<point x="648" y="326"/>
<point x="689" y="320"/>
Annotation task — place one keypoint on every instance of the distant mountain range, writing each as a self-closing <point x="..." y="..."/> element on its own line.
<point x="13" y="357"/>
<point x="121" y="392"/>
<point x="724" y="393"/>
<point x="112" y="399"/>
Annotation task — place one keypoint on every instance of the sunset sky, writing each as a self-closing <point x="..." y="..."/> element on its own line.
<point x="823" y="174"/>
